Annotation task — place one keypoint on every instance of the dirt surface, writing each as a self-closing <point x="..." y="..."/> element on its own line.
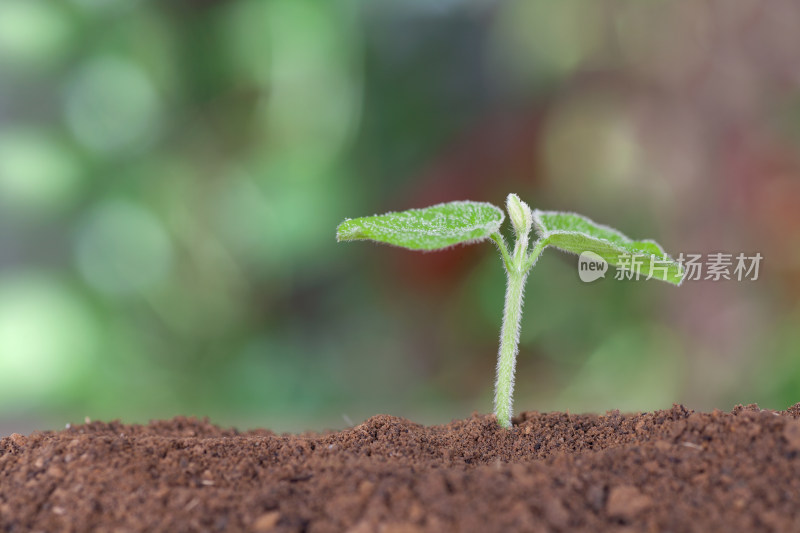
<point x="669" y="470"/>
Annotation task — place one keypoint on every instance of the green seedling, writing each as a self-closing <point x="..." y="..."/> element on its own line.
<point x="445" y="225"/>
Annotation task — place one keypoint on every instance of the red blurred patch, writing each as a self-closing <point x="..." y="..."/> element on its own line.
<point x="496" y="156"/>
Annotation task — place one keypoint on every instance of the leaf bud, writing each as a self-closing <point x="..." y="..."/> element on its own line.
<point x="520" y="214"/>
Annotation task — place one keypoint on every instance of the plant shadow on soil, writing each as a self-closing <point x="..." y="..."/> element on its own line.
<point x="671" y="470"/>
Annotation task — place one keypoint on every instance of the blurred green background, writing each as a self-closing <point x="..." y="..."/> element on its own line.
<point x="172" y="173"/>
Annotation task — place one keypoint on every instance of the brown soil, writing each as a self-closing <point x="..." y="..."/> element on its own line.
<point x="664" y="471"/>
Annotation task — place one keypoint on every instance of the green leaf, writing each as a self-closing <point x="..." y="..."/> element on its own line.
<point x="576" y="234"/>
<point x="431" y="228"/>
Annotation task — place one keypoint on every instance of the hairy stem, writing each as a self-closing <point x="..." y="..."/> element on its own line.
<point x="509" y="342"/>
<point x="501" y="245"/>
<point x="517" y="267"/>
<point x="538" y="248"/>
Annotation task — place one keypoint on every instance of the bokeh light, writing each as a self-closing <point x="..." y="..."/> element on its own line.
<point x="539" y="42"/>
<point x="34" y="34"/>
<point x="110" y="105"/>
<point x="38" y="173"/>
<point x="121" y="248"/>
<point x="48" y="338"/>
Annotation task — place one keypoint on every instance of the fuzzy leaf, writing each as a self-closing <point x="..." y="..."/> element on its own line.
<point x="576" y="234"/>
<point x="431" y="228"/>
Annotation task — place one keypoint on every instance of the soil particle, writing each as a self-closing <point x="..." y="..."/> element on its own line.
<point x="791" y="432"/>
<point x="625" y="502"/>
<point x="17" y="440"/>
<point x="266" y="522"/>
<point x="671" y="470"/>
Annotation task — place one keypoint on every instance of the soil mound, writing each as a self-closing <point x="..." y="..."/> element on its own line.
<point x="673" y="470"/>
